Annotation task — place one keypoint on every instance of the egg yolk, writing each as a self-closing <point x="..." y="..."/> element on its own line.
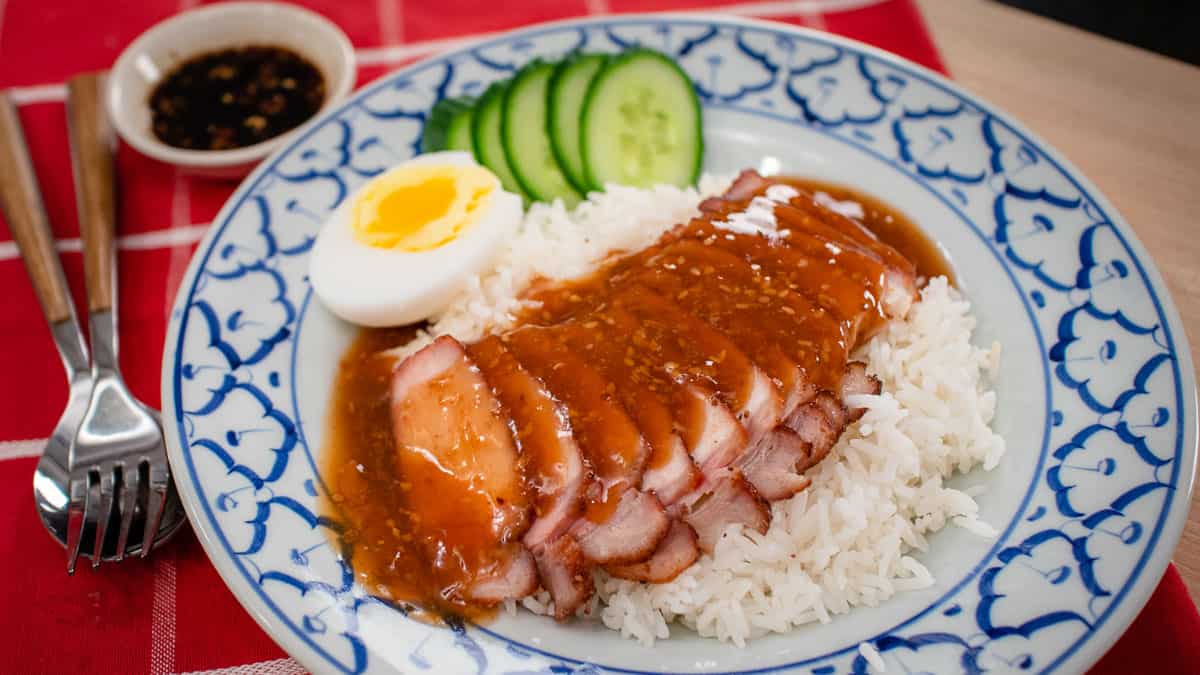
<point x="420" y="208"/>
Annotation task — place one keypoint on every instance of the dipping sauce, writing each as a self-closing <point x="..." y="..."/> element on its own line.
<point x="234" y="98"/>
<point x="358" y="459"/>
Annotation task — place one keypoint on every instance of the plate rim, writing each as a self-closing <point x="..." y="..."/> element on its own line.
<point x="1129" y="601"/>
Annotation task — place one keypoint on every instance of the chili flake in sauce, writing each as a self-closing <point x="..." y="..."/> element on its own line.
<point x="237" y="97"/>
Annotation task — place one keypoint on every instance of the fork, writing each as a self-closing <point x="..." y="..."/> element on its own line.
<point x="118" y="461"/>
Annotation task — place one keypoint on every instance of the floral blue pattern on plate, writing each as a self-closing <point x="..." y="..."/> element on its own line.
<point x="1096" y="393"/>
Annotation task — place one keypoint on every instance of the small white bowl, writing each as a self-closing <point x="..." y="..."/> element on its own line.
<point x="156" y="52"/>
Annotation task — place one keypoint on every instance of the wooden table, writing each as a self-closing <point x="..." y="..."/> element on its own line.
<point x="1128" y="118"/>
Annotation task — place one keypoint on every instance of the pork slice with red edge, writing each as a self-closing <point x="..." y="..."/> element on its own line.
<point x="566" y="574"/>
<point x="690" y="345"/>
<point x="601" y="339"/>
<point x="709" y="429"/>
<point x="773" y="452"/>
<point x="629" y="534"/>
<point x="620" y="523"/>
<point x="819" y="423"/>
<point x="553" y="466"/>
<point x="724" y="500"/>
<point x="462" y="476"/>
<point x="857" y="382"/>
<point x="748" y="184"/>
<point x="671" y="473"/>
<point x="516" y="578"/>
<point x="774" y="463"/>
<point x="675" y="554"/>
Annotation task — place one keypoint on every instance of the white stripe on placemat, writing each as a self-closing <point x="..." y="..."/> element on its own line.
<point x="181" y="203"/>
<point x="810" y="9"/>
<point x="17" y="449"/>
<point x="176" y="236"/>
<point x="597" y="6"/>
<point x="41" y="93"/>
<point x="814" y="20"/>
<point x="162" y="614"/>
<point x="272" y="667"/>
<point x="391" y="22"/>
<point x="3" y="6"/>
<point x="768" y="9"/>
<point x="379" y="56"/>
<point x="181" y="214"/>
<point x="179" y="236"/>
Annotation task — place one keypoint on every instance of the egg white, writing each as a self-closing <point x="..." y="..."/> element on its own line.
<point x="373" y="286"/>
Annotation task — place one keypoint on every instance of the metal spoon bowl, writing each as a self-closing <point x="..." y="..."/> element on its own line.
<point x="25" y="214"/>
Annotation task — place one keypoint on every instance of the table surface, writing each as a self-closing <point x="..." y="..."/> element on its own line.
<point x="1128" y="118"/>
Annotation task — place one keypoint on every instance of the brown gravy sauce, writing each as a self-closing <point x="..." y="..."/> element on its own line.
<point x="891" y="226"/>
<point x="358" y="458"/>
<point x="365" y="495"/>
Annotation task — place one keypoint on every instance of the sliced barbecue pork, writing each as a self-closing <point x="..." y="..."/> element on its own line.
<point x="638" y="334"/>
<point x="693" y="350"/>
<point x="566" y="574"/>
<point x="541" y="426"/>
<point x="620" y="523"/>
<point x="553" y="470"/>
<point x="598" y="340"/>
<point x="857" y="381"/>
<point x="637" y="414"/>
<point x="725" y="498"/>
<point x="708" y="428"/>
<point x="675" y="554"/>
<point x="462" y="476"/>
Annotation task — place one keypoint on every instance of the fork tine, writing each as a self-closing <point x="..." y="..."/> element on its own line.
<point x="156" y="499"/>
<point x="76" y="510"/>
<point x="102" y="491"/>
<point x="130" y="485"/>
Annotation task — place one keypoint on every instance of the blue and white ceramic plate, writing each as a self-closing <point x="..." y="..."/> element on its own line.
<point x="1096" y="397"/>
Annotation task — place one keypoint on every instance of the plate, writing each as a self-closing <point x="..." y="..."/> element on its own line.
<point x="1096" y="394"/>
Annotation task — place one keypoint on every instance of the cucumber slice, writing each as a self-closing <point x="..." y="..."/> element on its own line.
<point x="523" y="130"/>
<point x="485" y="134"/>
<point x="449" y="126"/>
<point x="568" y="89"/>
<point x="641" y="123"/>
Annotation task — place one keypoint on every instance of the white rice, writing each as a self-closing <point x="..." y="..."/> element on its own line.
<point x="847" y="540"/>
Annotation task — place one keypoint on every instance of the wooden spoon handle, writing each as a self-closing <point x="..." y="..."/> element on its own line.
<point x="26" y="217"/>
<point x="92" y="146"/>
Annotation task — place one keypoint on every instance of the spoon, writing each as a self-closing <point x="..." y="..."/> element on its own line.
<point x="26" y="217"/>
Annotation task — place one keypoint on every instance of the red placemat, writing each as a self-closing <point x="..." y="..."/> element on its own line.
<point x="172" y="613"/>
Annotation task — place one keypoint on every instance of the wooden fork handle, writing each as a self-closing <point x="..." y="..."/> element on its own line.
<point x="26" y="217"/>
<point x="92" y="147"/>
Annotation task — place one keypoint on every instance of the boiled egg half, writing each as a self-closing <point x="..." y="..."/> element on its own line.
<point x="403" y="245"/>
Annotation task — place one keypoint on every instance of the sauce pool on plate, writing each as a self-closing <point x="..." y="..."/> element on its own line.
<point x="358" y="460"/>
<point x="365" y="491"/>
<point x="891" y="226"/>
<point x="233" y="98"/>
